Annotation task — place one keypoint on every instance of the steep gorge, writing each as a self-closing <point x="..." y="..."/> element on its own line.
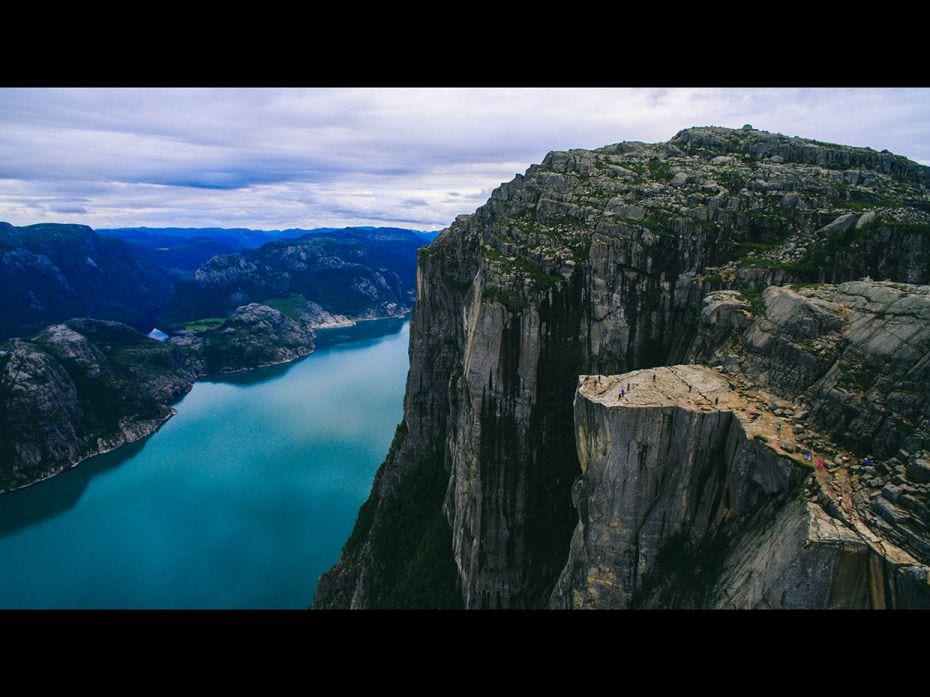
<point x="595" y="262"/>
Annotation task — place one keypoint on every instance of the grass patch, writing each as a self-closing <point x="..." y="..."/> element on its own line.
<point x="507" y="298"/>
<point x="204" y="324"/>
<point x="659" y="170"/>
<point x="757" y="263"/>
<point x="754" y="298"/>
<point x="291" y="306"/>
<point x="732" y="180"/>
<point x="756" y="246"/>
<point x="521" y="266"/>
<point x="854" y="205"/>
<point x="914" y="229"/>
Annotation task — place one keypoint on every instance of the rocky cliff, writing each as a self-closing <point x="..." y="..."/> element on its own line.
<point x="854" y="361"/>
<point x="598" y="262"/>
<point x="81" y="388"/>
<point x="691" y="496"/>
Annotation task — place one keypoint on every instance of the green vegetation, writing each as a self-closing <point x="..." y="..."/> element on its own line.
<point x="523" y="267"/>
<point x="914" y="229"/>
<point x="291" y="306"/>
<point x="658" y="220"/>
<point x="756" y="246"/>
<point x="732" y="179"/>
<point x="825" y="253"/>
<point x="411" y="538"/>
<point x="762" y="263"/>
<point x="507" y="298"/>
<point x="660" y="170"/>
<point x="754" y="298"/>
<point x="854" y="205"/>
<point x="204" y="324"/>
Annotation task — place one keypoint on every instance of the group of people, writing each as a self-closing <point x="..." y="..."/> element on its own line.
<point x="809" y="455"/>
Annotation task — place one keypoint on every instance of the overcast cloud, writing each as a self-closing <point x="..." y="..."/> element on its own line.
<point x="278" y="158"/>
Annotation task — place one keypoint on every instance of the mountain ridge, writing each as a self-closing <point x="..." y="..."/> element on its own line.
<point x="598" y="262"/>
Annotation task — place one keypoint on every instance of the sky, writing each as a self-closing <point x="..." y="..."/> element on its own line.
<point x="416" y="158"/>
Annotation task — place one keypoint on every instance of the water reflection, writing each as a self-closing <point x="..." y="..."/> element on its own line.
<point x="241" y="500"/>
<point x="25" y="507"/>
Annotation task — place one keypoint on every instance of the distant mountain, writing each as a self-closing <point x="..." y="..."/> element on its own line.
<point x="54" y="272"/>
<point x="181" y="251"/>
<point x="358" y="272"/>
<point x="51" y="272"/>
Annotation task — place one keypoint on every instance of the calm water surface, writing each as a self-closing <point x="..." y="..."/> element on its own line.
<point x="240" y="501"/>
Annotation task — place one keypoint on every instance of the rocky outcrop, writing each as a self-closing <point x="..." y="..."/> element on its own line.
<point x="854" y="360"/>
<point x="255" y="336"/>
<point x="597" y="262"/>
<point x="687" y="499"/>
<point x="78" y="389"/>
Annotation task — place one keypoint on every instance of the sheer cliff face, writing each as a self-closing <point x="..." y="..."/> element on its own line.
<point x="596" y="262"/>
<point x="691" y="497"/>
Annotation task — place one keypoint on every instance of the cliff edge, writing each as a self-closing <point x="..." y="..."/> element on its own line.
<point x="598" y="262"/>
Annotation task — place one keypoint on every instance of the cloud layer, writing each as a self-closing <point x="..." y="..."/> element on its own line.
<point x="277" y="158"/>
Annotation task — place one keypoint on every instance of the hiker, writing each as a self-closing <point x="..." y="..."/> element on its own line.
<point x="622" y="392"/>
<point x="716" y="401"/>
<point x="778" y="427"/>
<point x="653" y="377"/>
<point x="810" y="455"/>
<point x="820" y="464"/>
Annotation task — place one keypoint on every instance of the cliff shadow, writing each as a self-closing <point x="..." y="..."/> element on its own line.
<point x="44" y="500"/>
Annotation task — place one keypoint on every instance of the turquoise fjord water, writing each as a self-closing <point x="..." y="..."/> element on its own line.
<point x="240" y="501"/>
